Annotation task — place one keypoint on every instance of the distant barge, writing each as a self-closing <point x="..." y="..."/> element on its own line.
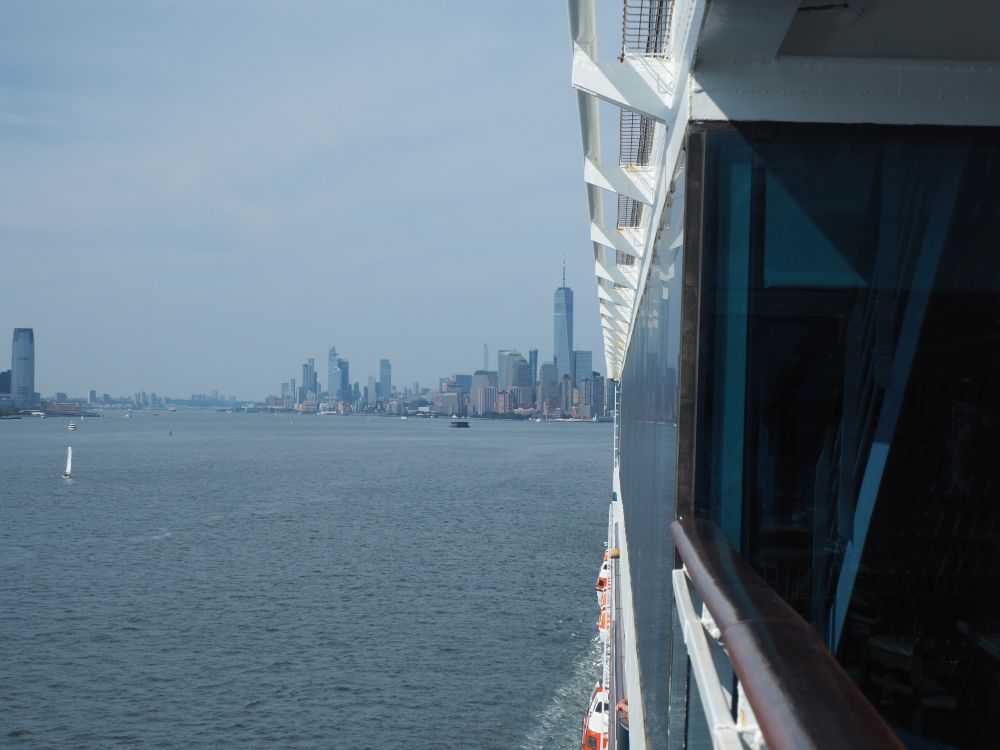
<point x="459" y="423"/>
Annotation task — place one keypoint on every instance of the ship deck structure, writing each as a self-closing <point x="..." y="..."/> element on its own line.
<point x="797" y="259"/>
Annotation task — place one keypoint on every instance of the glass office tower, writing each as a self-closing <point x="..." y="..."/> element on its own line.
<point x="563" y="330"/>
<point x="22" y="366"/>
<point x="384" y="379"/>
<point x="332" y="374"/>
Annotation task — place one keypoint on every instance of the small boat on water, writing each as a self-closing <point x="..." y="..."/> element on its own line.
<point x="71" y="426"/>
<point x="69" y="463"/>
<point x="459" y="423"/>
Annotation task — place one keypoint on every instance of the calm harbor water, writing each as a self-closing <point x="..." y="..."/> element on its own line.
<point x="255" y="581"/>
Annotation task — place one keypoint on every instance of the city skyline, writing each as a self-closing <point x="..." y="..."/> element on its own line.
<point x="162" y="229"/>
<point x="518" y="385"/>
<point x="563" y="326"/>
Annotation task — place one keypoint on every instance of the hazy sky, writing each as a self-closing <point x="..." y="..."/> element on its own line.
<point x="199" y="196"/>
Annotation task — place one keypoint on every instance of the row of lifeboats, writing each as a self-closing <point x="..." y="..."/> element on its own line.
<point x="596" y="722"/>
<point x="604" y="598"/>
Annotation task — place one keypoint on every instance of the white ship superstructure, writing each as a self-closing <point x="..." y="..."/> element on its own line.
<point x="797" y="256"/>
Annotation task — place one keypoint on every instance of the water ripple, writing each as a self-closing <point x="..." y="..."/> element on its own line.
<point x="338" y="582"/>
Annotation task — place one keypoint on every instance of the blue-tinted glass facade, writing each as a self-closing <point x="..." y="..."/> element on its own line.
<point x="648" y="449"/>
<point x="846" y="404"/>
<point x="22" y="365"/>
<point x="563" y="331"/>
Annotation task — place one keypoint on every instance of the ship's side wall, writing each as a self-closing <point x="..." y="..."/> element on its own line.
<point x="624" y="654"/>
<point x="841" y="396"/>
<point x="648" y="454"/>
<point x="813" y="370"/>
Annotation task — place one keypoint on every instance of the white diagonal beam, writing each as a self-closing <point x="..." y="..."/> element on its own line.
<point x="615" y="312"/>
<point x="613" y="273"/>
<point x="616" y="327"/>
<point x="640" y="84"/>
<point x="612" y="295"/>
<point x="637" y="183"/>
<point x="625" y="242"/>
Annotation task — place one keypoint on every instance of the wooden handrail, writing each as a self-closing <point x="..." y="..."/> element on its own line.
<point x="801" y="696"/>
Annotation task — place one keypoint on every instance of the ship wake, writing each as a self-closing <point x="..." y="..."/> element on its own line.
<point x="557" y="724"/>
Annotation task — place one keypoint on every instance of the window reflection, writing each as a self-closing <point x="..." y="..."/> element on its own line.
<point x="848" y="418"/>
<point x="648" y="440"/>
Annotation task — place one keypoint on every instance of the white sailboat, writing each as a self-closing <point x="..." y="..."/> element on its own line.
<point x="69" y="463"/>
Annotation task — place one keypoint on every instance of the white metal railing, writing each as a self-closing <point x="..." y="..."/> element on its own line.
<point x="748" y="639"/>
<point x="732" y="725"/>
<point x="646" y="27"/>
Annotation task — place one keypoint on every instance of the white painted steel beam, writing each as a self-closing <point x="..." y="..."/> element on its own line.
<point x="657" y="88"/>
<point x="640" y="84"/>
<point x="613" y="273"/>
<point x="613" y="323"/>
<point x="892" y="92"/>
<point x="762" y="27"/>
<point x="637" y="183"/>
<point x="622" y="240"/>
<point x="723" y="730"/>
<point x="612" y="295"/>
<point x="583" y="31"/>
<point x="614" y="312"/>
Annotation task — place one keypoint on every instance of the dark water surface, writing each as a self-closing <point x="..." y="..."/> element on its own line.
<point x="254" y="582"/>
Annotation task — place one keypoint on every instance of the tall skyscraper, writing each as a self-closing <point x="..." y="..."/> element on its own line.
<point x="502" y="374"/>
<point x="332" y="378"/>
<point x="22" y="368"/>
<point x="344" y="390"/>
<point x="384" y="379"/>
<point x="512" y="370"/>
<point x="464" y="382"/>
<point x="484" y="391"/>
<point x="372" y="389"/>
<point x="599" y="393"/>
<point x="563" y="344"/>
<point x="310" y="381"/>
<point x="548" y="396"/>
<point x="583" y="362"/>
<point x="337" y="382"/>
<point x="533" y="367"/>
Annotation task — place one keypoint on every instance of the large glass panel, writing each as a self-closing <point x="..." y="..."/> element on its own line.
<point x="848" y="413"/>
<point x="648" y="452"/>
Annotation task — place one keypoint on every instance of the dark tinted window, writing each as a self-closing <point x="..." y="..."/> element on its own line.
<point x="848" y="403"/>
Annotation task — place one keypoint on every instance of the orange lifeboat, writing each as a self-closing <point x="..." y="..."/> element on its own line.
<point x="595" y="723"/>
<point x="602" y="576"/>
<point x="604" y="622"/>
